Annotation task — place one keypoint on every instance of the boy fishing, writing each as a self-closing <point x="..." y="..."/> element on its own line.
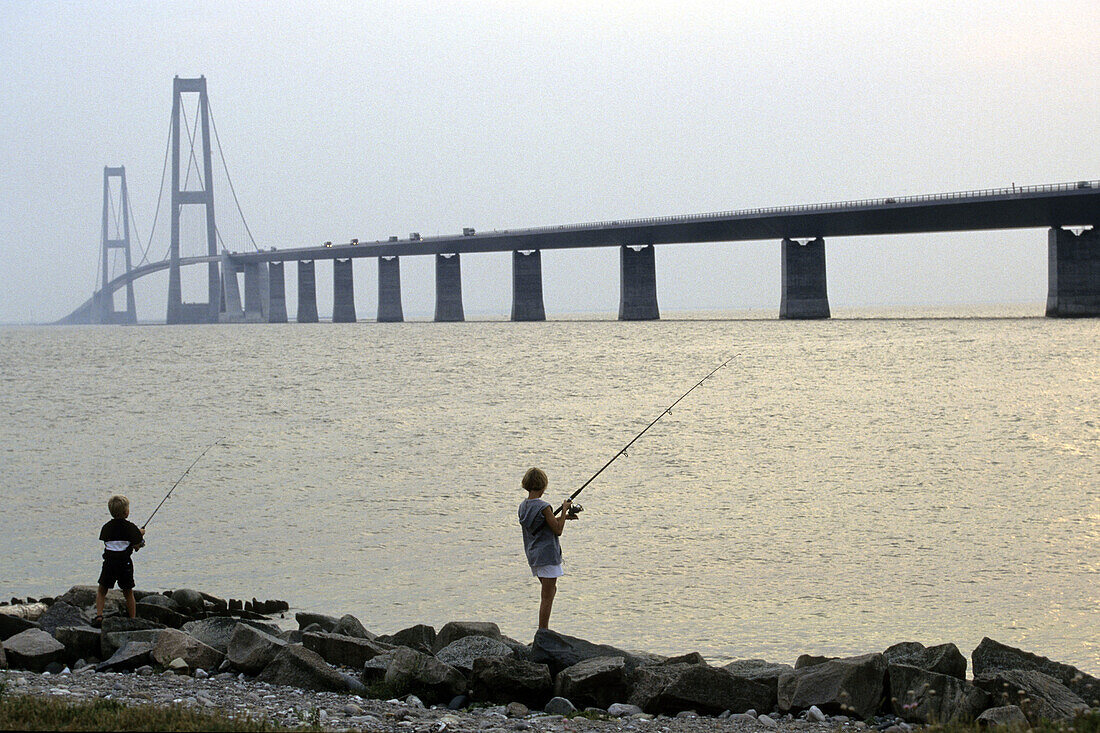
<point x="541" y="529"/>
<point x="120" y="538"/>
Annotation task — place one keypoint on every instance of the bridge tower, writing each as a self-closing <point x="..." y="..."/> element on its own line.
<point x="106" y="312"/>
<point x="178" y="311"/>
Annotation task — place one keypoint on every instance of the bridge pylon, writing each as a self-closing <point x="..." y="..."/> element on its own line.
<point x="104" y="309"/>
<point x="178" y="311"/>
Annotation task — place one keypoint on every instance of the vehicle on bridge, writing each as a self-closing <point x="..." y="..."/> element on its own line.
<point x="414" y="236"/>
<point x="468" y="231"/>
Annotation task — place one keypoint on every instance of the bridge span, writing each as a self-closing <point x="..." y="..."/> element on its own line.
<point x="1073" y="256"/>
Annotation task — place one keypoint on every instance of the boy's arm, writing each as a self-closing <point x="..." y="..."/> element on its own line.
<point x="557" y="523"/>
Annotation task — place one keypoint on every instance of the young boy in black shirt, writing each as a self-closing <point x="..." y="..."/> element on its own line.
<point x="120" y="538"/>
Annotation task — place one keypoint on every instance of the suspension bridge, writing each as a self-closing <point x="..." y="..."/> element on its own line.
<point x="1069" y="212"/>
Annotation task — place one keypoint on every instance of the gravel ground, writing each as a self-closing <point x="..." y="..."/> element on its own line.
<point x="291" y="706"/>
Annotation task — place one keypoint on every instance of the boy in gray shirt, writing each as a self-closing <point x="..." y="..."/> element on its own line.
<point x="541" y="530"/>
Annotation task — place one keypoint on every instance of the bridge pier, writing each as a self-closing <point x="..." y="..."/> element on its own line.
<point x="307" y="292"/>
<point x="257" y="289"/>
<point x="1073" y="273"/>
<point x="343" y="292"/>
<point x="448" y="288"/>
<point x="389" y="290"/>
<point x="638" y="290"/>
<point x="231" y="310"/>
<point x="276" y="298"/>
<point x="527" y="302"/>
<point x="804" y="293"/>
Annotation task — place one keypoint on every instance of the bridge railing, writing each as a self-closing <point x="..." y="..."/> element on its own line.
<point x="801" y="208"/>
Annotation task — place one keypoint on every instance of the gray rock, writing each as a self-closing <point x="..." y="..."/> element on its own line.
<point x="160" y="613"/>
<point x="462" y="652"/>
<point x="217" y="630"/>
<point x="691" y="658"/>
<point x="374" y="670"/>
<point x="119" y="624"/>
<point x="3" y="658"/>
<point x="673" y="688"/>
<point x="852" y="686"/>
<point x="758" y="670"/>
<point x="809" y="660"/>
<point x="815" y="714"/>
<point x="159" y="599"/>
<point x="1004" y="715"/>
<point x="111" y="643"/>
<point x="517" y="710"/>
<point x="297" y="666"/>
<point x="411" y="672"/>
<point x="348" y="625"/>
<point x="80" y="642"/>
<point x="507" y="679"/>
<point x="992" y="655"/>
<point x="81" y="596"/>
<point x="1039" y="695"/>
<point x="921" y="696"/>
<point x="942" y="659"/>
<point x="420" y="637"/>
<point x="132" y="655"/>
<point x="294" y="636"/>
<point x="559" y="651"/>
<point x="10" y="625"/>
<point x="188" y="601"/>
<point x="172" y="644"/>
<point x="61" y="614"/>
<point x="767" y="721"/>
<point x="455" y="630"/>
<point x="33" y="650"/>
<point x="621" y="710"/>
<point x="306" y="619"/>
<point x="343" y="650"/>
<point x="598" y="681"/>
<point x="251" y="650"/>
<point x="559" y="706"/>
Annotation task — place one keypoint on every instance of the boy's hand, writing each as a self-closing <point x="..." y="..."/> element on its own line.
<point x="142" y="531"/>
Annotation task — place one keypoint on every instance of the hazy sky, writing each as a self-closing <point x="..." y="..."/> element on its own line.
<point x="364" y="120"/>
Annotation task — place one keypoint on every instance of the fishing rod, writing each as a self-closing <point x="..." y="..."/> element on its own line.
<point x="181" y="478"/>
<point x="667" y="411"/>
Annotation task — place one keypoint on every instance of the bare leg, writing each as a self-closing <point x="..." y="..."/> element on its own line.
<point x="131" y="604"/>
<point x="549" y="590"/>
<point x="100" y="600"/>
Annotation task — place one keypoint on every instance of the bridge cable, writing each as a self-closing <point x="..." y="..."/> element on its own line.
<point x="191" y="134"/>
<point x="221" y="153"/>
<point x="160" y="197"/>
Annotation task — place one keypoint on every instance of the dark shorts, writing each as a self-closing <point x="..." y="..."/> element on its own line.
<point x="117" y="570"/>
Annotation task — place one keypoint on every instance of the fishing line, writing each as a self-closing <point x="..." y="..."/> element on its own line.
<point x="181" y="479"/>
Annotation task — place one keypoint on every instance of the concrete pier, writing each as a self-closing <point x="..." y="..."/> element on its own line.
<point x="638" y="293"/>
<point x="389" y="290"/>
<point x="1073" y="273"/>
<point x="343" y="292"/>
<point x="804" y="294"/>
<point x="276" y="299"/>
<point x="448" y="288"/>
<point x="307" y="292"/>
<point x="527" y="302"/>
<point x="231" y="311"/>
<point x="256" y="291"/>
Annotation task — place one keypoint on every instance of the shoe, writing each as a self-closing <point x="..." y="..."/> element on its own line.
<point x="97" y="622"/>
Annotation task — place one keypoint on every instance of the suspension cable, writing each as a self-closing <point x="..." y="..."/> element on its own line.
<point x="160" y="197"/>
<point x="221" y="153"/>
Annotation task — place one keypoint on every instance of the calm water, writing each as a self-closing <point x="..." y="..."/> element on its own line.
<point x="839" y="487"/>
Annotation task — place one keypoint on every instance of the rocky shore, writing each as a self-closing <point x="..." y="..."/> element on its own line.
<point x="192" y="648"/>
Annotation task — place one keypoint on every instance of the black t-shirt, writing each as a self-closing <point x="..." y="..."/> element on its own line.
<point x="120" y="530"/>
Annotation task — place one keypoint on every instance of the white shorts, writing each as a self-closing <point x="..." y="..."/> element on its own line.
<point x="547" y="571"/>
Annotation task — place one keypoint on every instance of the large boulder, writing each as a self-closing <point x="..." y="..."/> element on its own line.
<point x="920" y="696"/>
<point x="941" y="659"/>
<point x="507" y="679"/>
<point x="162" y="610"/>
<point x="461" y="653"/>
<point x="559" y="651"/>
<point x="296" y="666"/>
<point x="992" y="655"/>
<point x="188" y="601"/>
<point x="120" y="630"/>
<point x="1039" y="695"/>
<point x="455" y="630"/>
<point x="348" y="625"/>
<point x="132" y="655"/>
<point x="374" y="670"/>
<point x="598" y="682"/>
<point x="251" y="650"/>
<point x="3" y="658"/>
<point x="217" y="630"/>
<point x="174" y="644"/>
<point x="11" y="624"/>
<point x="33" y="650"/>
<point x="61" y="614"/>
<point x="420" y="637"/>
<point x="306" y="619"/>
<point x="758" y="670"/>
<point x="852" y="686"/>
<point x="672" y="688"/>
<point x="411" y="672"/>
<point x="1005" y="715"/>
<point x="81" y="642"/>
<point x="83" y="596"/>
<point x="346" y="651"/>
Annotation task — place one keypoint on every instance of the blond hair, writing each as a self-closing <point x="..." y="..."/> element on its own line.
<point x="119" y="506"/>
<point x="535" y="480"/>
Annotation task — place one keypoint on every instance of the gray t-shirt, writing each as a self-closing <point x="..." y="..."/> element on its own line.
<point x="539" y="541"/>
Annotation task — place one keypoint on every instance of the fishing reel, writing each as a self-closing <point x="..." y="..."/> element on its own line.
<point x="574" y="510"/>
